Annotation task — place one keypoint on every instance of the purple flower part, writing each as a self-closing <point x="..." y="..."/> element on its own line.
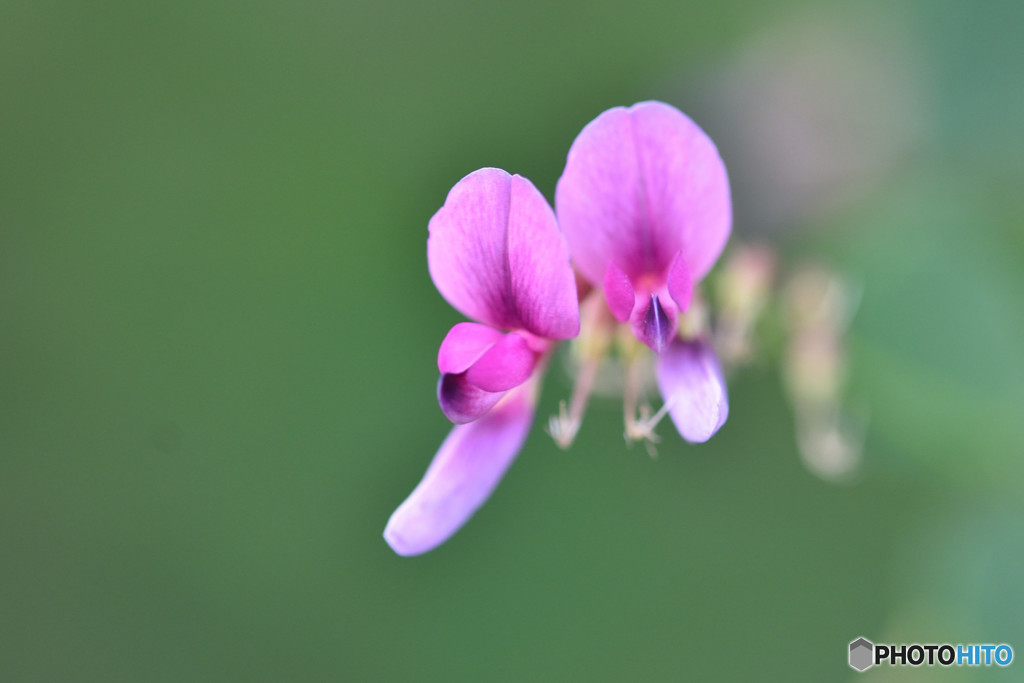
<point x="654" y="318"/>
<point x="467" y="468"/>
<point x="478" y="364"/>
<point x="655" y="329"/>
<point x="639" y="186"/>
<point x="462" y="402"/>
<point x="691" y="383"/>
<point x="496" y="254"/>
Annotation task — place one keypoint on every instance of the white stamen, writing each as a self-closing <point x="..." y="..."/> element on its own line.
<point x="562" y="427"/>
<point x="638" y="420"/>
<point x="566" y="424"/>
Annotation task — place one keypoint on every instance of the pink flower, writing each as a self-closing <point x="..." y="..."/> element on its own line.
<point x="496" y="254"/>
<point x="644" y="205"/>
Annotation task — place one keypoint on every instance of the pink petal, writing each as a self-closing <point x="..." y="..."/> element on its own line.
<point x="691" y="382"/>
<point x="618" y="292"/>
<point x="505" y="365"/>
<point x="478" y="364"/>
<point x="680" y="282"/>
<point x="496" y="254"/>
<point x="463" y="346"/>
<point x="640" y="185"/>
<point x="467" y="468"/>
<point x="462" y="402"/>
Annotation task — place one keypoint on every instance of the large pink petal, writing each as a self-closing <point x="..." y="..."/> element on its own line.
<point x="467" y="468"/>
<point x="691" y="382"/>
<point x="496" y="254"/>
<point x="640" y="185"/>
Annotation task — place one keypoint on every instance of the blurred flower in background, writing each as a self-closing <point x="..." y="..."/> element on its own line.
<point x="814" y="114"/>
<point x="818" y="307"/>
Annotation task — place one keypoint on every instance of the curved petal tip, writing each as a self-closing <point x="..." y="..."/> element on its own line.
<point x="692" y="384"/>
<point x="462" y="476"/>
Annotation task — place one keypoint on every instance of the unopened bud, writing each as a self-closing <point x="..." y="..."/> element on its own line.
<point x="815" y="368"/>
<point x="597" y="328"/>
<point x="829" y="448"/>
<point x="817" y="298"/>
<point x="818" y="308"/>
<point x="743" y="288"/>
<point x="745" y="280"/>
<point x="694" y="323"/>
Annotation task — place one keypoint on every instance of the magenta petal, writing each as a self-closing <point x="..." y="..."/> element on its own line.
<point x="680" y="283"/>
<point x="463" y="346"/>
<point x="478" y="364"/>
<point x="543" y="282"/>
<point x="496" y="254"/>
<point x="505" y="365"/>
<point x="640" y="185"/>
<point x="691" y="382"/>
<point x="618" y="292"/>
<point x="467" y="468"/>
<point x="462" y="402"/>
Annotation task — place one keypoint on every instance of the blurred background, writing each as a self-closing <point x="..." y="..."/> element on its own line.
<point x="218" y="340"/>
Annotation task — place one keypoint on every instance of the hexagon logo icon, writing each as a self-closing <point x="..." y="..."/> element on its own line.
<point x="862" y="654"/>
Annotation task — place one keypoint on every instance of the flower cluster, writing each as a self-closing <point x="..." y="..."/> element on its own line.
<point x="642" y="213"/>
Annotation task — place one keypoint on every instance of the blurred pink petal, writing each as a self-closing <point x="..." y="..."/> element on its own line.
<point x="463" y="474"/>
<point x="496" y="254"/>
<point x="618" y="292"/>
<point x="680" y="282"/>
<point x="691" y="383"/>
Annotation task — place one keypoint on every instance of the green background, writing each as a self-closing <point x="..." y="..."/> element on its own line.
<point x="218" y="339"/>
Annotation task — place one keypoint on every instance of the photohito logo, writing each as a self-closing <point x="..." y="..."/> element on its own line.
<point x="864" y="654"/>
